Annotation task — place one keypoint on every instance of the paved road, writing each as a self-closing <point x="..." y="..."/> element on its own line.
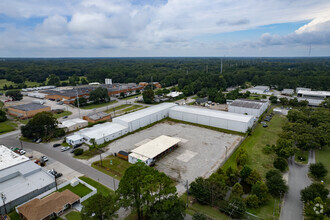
<point x="293" y="208"/>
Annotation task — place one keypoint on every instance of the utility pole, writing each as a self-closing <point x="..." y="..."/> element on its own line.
<point x="21" y="144"/>
<point x="3" y="197"/>
<point x="55" y="182"/>
<point x="78" y="101"/>
<point x="187" y="186"/>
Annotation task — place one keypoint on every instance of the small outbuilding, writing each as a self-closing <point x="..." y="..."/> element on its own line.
<point x="73" y="124"/>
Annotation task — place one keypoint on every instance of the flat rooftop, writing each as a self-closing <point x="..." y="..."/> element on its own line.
<point x="102" y="130"/>
<point x="9" y="158"/>
<point x="316" y="93"/>
<point x="98" y="115"/>
<point x="71" y="122"/>
<point x="29" y="107"/>
<point x="155" y="147"/>
<point x="254" y="104"/>
<point x="213" y="113"/>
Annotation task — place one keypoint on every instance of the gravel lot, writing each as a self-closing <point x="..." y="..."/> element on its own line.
<point x="201" y="151"/>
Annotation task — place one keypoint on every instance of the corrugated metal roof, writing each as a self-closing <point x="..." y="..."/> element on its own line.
<point x="255" y="104"/>
<point x="102" y="130"/>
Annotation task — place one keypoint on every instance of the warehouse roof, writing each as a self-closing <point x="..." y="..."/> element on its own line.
<point x="155" y="147"/>
<point x="72" y="122"/>
<point x="29" y="107"/>
<point x="144" y="112"/>
<point x="9" y="158"/>
<point x="213" y="113"/>
<point x="102" y="130"/>
<point x="98" y="115"/>
<point x="41" y="208"/>
<point x="255" y="104"/>
<point x="75" y="137"/>
<point x="315" y="93"/>
<point x="287" y="91"/>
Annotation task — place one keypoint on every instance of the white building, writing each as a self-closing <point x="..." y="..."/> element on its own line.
<point x="74" y="139"/>
<point x="149" y="152"/>
<point x="21" y="179"/>
<point x="314" y="98"/>
<point x="261" y="90"/>
<point x="302" y="88"/>
<point x="287" y="92"/>
<point x="249" y="107"/>
<point x="100" y="133"/>
<point x="73" y="124"/>
<point x="213" y="118"/>
<point x="142" y="118"/>
<point x="174" y="94"/>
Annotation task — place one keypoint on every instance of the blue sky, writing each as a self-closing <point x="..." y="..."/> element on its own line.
<point x="127" y="28"/>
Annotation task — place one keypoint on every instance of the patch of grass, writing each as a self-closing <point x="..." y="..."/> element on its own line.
<point x="117" y="108"/>
<point x="195" y="97"/>
<point x="14" y="215"/>
<point x="24" y="122"/>
<point x="100" y="188"/>
<point x="130" y="97"/>
<point x="301" y="157"/>
<point x="132" y="108"/>
<point x="73" y="216"/>
<point x="323" y="157"/>
<point x="65" y="144"/>
<point x="8" y="83"/>
<point x="65" y="113"/>
<point x="91" y="106"/>
<point x="79" y="190"/>
<point x="116" y="170"/>
<point x="266" y="211"/>
<point x="7" y="126"/>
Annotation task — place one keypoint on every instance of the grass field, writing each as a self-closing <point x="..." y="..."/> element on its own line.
<point x="116" y="170"/>
<point x="7" y="126"/>
<point x="73" y="216"/>
<point x="134" y="107"/>
<point x="323" y="156"/>
<point x="130" y="97"/>
<point x="65" y="113"/>
<point x="114" y="109"/>
<point x="100" y="188"/>
<point x="8" y="83"/>
<point x="91" y="106"/>
<point x="79" y="190"/>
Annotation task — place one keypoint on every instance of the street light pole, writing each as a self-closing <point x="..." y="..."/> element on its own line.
<point x="78" y="102"/>
<point x="3" y="197"/>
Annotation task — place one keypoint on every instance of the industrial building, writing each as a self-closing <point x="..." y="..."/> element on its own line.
<point x="302" y="88"/>
<point x="21" y="179"/>
<point x="314" y="98"/>
<point x="288" y="92"/>
<point x="213" y="118"/>
<point x="100" y="133"/>
<point x="73" y="124"/>
<point x="27" y="110"/>
<point x="50" y="207"/>
<point x="249" y="107"/>
<point x="142" y="118"/>
<point x="96" y="117"/>
<point x="261" y="90"/>
<point x="149" y="152"/>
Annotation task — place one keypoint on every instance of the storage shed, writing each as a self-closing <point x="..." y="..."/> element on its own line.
<point x="214" y="118"/>
<point x="144" y="117"/>
<point x="249" y="107"/>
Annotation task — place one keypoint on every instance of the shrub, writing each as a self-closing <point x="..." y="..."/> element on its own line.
<point x="313" y="191"/>
<point x="199" y="216"/>
<point x="245" y="172"/>
<point x="267" y="149"/>
<point x="318" y="170"/>
<point x="280" y="163"/>
<point x="275" y="183"/>
<point x="78" y="152"/>
<point x="252" y="201"/>
<point x="242" y="157"/>
<point x="232" y="176"/>
<point x="253" y="177"/>
<point x="237" y="190"/>
<point x="261" y="191"/>
<point x="3" y="116"/>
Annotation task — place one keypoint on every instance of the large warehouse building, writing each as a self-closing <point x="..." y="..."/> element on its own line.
<point x="213" y="118"/>
<point x="314" y="98"/>
<point x="142" y="118"/>
<point x="21" y="179"/>
<point x="27" y="110"/>
<point x="149" y="152"/>
<point x="249" y="107"/>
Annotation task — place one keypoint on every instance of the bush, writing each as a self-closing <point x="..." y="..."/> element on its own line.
<point x="275" y="183"/>
<point x="313" y="191"/>
<point x="245" y="172"/>
<point x="242" y="157"/>
<point x="253" y="177"/>
<point x="280" y="163"/>
<point x="237" y="190"/>
<point x="199" y="216"/>
<point x="3" y="116"/>
<point x="252" y="201"/>
<point x="318" y="170"/>
<point x="267" y="149"/>
<point x="78" y="152"/>
<point x="261" y="191"/>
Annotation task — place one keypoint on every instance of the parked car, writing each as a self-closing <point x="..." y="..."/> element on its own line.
<point x="22" y="152"/>
<point x="44" y="158"/>
<point x="65" y="117"/>
<point x="39" y="140"/>
<point x="58" y="175"/>
<point x="265" y="125"/>
<point x="56" y="145"/>
<point x="73" y="150"/>
<point x="76" y="146"/>
<point x="65" y="149"/>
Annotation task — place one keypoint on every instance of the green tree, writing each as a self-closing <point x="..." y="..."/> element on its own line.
<point x="99" y="95"/>
<point x="199" y="216"/>
<point x="74" y="80"/>
<point x="236" y="208"/>
<point x="232" y="176"/>
<point x="84" y="81"/>
<point x="253" y="177"/>
<point x="261" y="191"/>
<point x="318" y="170"/>
<point x="284" y="101"/>
<point x="242" y="157"/>
<point x="53" y="80"/>
<point x="3" y="116"/>
<point x="316" y="209"/>
<point x="245" y="172"/>
<point x="15" y="95"/>
<point x="280" y="163"/>
<point x="143" y="188"/>
<point x="170" y="208"/>
<point x="284" y="148"/>
<point x="41" y="125"/>
<point x="148" y="96"/>
<point x="100" y="207"/>
<point x="82" y="101"/>
<point x="313" y="191"/>
<point x="252" y="201"/>
<point x="237" y="190"/>
<point x="275" y="183"/>
<point x="273" y="99"/>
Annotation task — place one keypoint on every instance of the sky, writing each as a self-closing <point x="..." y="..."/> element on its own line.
<point x="164" y="28"/>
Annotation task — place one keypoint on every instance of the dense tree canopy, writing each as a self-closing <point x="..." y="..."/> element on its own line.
<point x="15" y="95"/>
<point x="99" y="95"/>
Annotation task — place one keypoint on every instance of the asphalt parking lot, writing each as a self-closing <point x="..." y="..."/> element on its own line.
<point x="200" y="153"/>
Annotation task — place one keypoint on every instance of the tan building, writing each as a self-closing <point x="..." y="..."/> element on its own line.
<point x="49" y="207"/>
<point x="100" y="116"/>
<point x="27" y="110"/>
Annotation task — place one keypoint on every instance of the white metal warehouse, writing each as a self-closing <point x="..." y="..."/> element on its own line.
<point x="214" y="118"/>
<point x="73" y="124"/>
<point x="250" y="107"/>
<point x="152" y="150"/>
<point x="144" y="117"/>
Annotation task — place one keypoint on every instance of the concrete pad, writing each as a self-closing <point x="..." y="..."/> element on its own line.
<point x="186" y="156"/>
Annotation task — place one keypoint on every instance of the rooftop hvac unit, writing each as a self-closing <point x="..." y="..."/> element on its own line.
<point x="108" y="81"/>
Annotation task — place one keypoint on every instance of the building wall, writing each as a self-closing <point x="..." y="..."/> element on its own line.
<point x="249" y="111"/>
<point x="77" y="126"/>
<point x="27" y="114"/>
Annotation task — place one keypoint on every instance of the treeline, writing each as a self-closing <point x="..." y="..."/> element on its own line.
<point x="191" y="74"/>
